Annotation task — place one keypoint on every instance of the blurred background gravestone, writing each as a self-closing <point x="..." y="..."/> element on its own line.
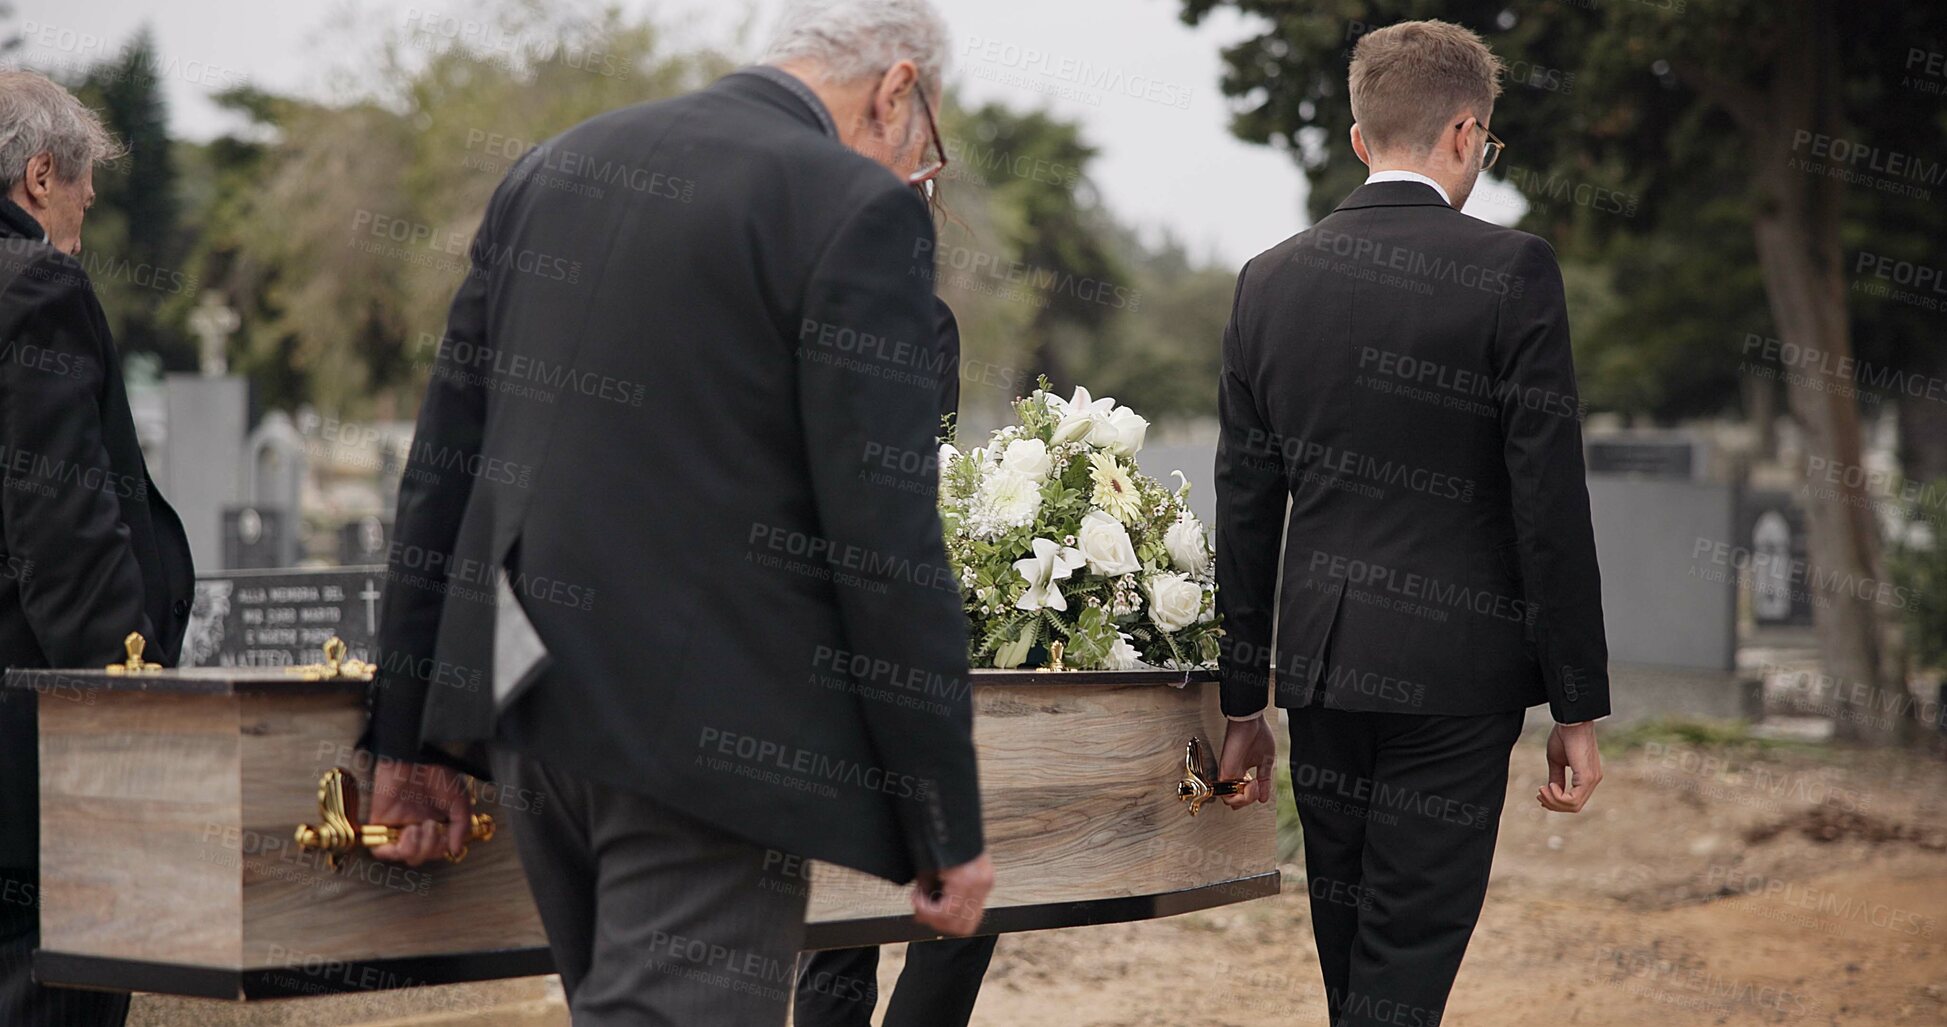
<point x="206" y="418"/>
<point x="261" y="531"/>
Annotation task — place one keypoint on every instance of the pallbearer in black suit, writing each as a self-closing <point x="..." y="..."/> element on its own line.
<point x="89" y="551"/>
<point x="1398" y="401"/>
<point x="941" y="979"/>
<point x="665" y="566"/>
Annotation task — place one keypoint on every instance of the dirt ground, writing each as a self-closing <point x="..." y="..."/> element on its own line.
<point x="1707" y="884"/>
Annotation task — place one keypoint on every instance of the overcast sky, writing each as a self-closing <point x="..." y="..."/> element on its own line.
<point x="1142" y="85"/>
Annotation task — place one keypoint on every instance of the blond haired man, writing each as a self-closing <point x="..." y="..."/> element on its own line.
<point x="1398" y="407"/>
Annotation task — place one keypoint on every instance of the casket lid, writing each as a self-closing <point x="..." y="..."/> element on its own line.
<point x="1178" y="678"/>
<point x="332" y="674"/>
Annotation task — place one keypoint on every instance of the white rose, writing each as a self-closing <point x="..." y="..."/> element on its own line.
<point x="1105" y="543"/>
<point x="1185" y="542"/>
<point x="1028" y="457"/>
<point x="1174" y="601"/>
<point x="1128" y="429"/>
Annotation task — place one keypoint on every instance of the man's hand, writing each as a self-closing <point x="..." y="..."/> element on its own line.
<point x="951" y="901"/>
<point x="428" y="803"/>
<point x="1574" y="768"/>
<point x="1248" y="744"/>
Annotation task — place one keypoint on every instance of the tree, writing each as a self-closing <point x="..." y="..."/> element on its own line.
<point x="135" y="246"/>
<point x="1734" y="114"/>
<point x="1027" y="171"/>
<point x="334" y="227"/>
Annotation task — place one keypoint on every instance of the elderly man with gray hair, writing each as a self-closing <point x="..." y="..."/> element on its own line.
<point x="89" y="551"/>
<point x="701" y="633"/>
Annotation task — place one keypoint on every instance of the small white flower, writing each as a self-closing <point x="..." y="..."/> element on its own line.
<point x="1050" y="563"/>
<point x="1028" y="457"/>
<point x="1105" y="543"/>
<point x="1123" y="656"/>
<point x="1186" y="544"/>
<point x="1175" y="602"/>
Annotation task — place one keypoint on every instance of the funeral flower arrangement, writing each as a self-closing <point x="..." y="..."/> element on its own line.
<point x="1057" y="538"/>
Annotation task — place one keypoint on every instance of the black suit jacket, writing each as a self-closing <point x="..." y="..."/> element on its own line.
<point x="91" y="551"/>
<point x="693" y="333"/>
<point x="1401" y="373"/>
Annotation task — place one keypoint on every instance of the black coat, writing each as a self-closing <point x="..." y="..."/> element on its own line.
<point x="1401" y="371"/>
<point x="91" y="550"/>
<point x="687" y="396"/>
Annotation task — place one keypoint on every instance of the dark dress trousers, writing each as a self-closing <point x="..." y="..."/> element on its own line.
<point x="91" y="553"/>
<point x="1398" y="404"/>
<point x="941" y="979"/>
<point x="692" y="331"/>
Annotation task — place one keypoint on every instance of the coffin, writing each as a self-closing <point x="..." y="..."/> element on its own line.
<point x="171" y="801"/>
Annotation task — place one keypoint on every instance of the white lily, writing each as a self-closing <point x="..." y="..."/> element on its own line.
<point x="1050" y="563"/>
<point x="1080" y="415"/>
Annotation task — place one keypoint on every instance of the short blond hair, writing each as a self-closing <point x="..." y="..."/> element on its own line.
<point x="1408" y="79"/>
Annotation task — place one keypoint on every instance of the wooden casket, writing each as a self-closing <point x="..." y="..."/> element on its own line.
<point x="171" y="858"/>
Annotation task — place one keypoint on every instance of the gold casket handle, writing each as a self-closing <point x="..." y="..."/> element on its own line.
<point x="340" y="834"/>
<point x="132" y="647"/>
<point x="1200" y="783"/>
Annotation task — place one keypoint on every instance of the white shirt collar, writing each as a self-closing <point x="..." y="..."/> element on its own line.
<point x="1409" y="176"/>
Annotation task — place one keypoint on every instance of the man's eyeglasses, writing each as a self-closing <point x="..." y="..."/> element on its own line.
<point x="1491" y="150"/>
<point x="923" y="179"/>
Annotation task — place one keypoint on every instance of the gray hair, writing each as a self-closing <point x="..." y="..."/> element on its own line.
<point x="36" y="117"/>
<point x="853" y="39"/>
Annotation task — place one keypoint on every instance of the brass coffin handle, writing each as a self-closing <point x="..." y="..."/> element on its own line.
<point x="1200" y="783"/>
<point x="133" y="647"/>
<point x="340" y="834"/>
